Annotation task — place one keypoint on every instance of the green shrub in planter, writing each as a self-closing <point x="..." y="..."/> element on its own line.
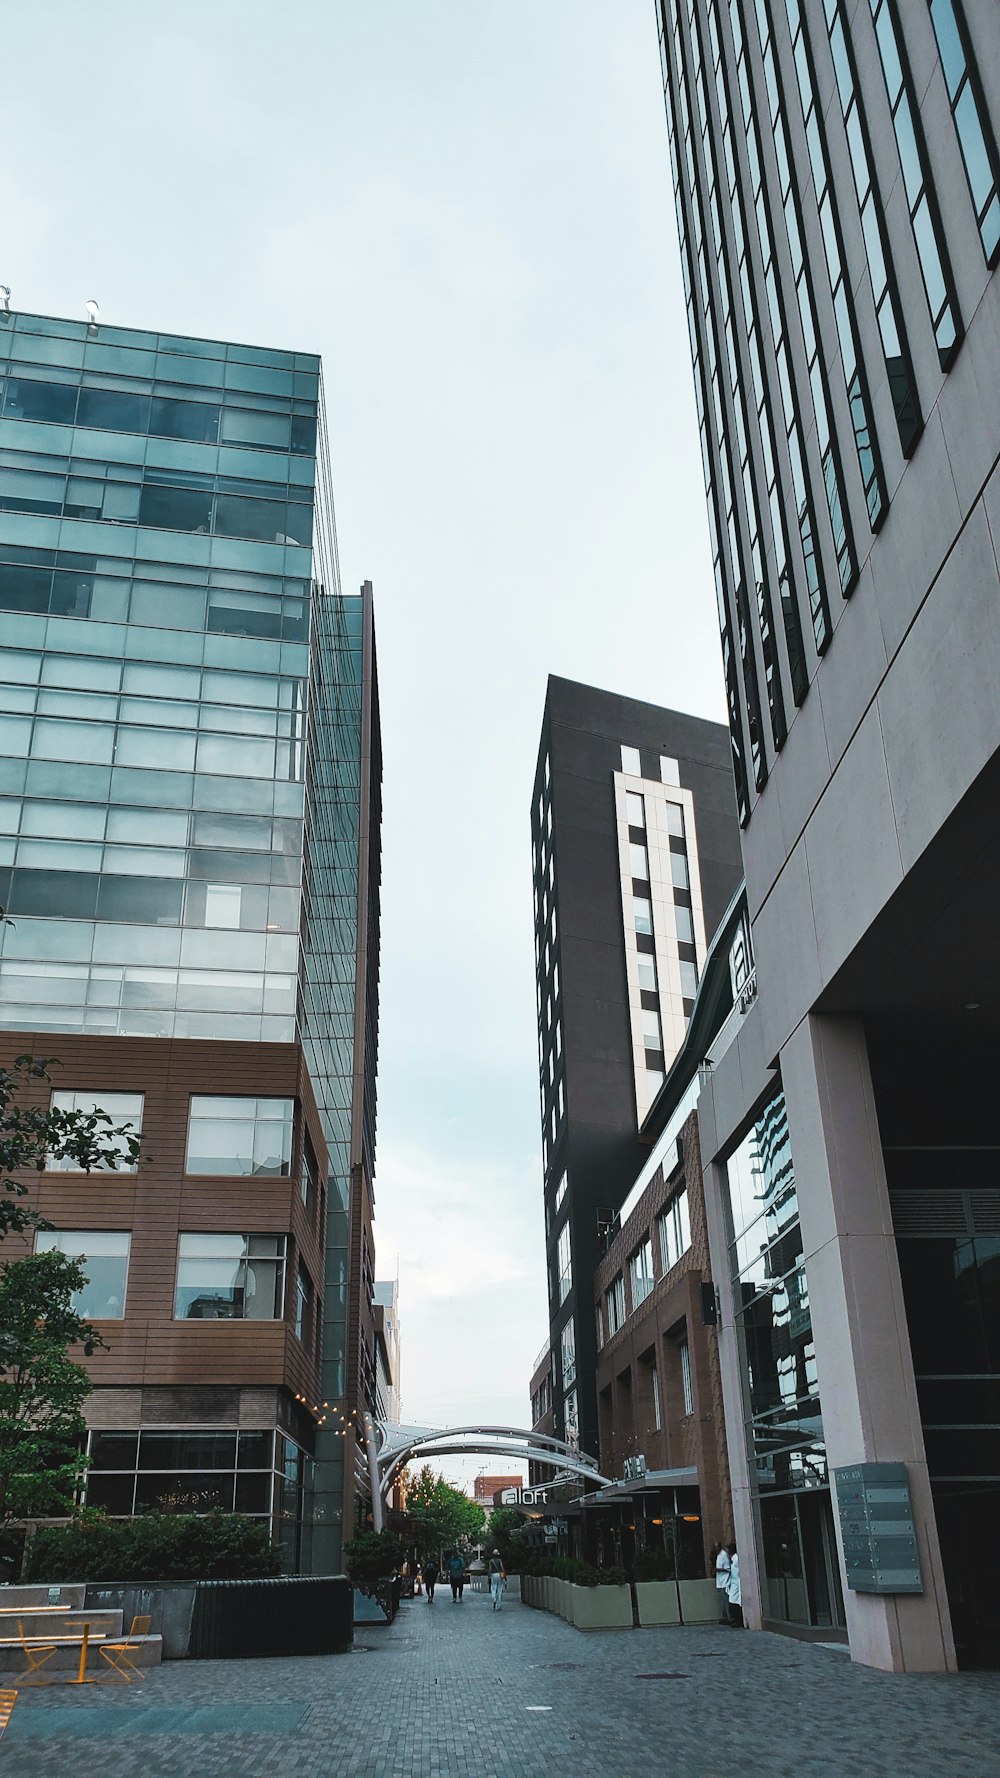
<point x="155" y="1546"/>
<point x="612" y="1577"/>
<point x="370" y="1557"/>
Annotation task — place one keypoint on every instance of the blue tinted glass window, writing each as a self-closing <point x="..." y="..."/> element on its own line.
<point x="175" y="509"/>
<point x="28" y="400"/>
<point x="195" y="420"/>
<point x="113" y="410"/>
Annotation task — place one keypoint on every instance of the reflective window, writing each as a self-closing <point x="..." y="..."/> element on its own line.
<point x="631" y="763"/>
<point x="567" y="1352"/>
<point x="614" y="1301"/>
<point x="560" y="1193"/>
<point x="240" y="1136"/>
<point x="858" y="397"/>
<point x="230" y="1278"/>
<point x="651" y="1034"/>
<point x="972" y="121"/>
<point x="899" y="369"/>
<point x="647" y="973"/>
<point x="121" y="1108"/>
<point x="684" y="921"/>
<point x="925" y="217"/>
<point x="674" y="1227"/>
<point x="642" y="914"/>
<point x="104" y="1257"/>
<point x="564" y="1263"/>
<point x="640" y="1270"/>
<point x="638" y="862"/>
<point x="687" y="1391"/>
<point x="303" y="1307"/>
<point x="635" y="809"/>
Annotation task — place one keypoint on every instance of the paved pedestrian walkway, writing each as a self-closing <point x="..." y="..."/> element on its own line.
<point x="460" y="1691"/>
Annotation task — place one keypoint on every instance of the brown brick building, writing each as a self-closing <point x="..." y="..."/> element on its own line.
<point x="658" y="1381"/>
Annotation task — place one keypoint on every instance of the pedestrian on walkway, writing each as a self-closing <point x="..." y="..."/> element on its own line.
<point x="498" y="1579"/>
<point x="733" y="1590"/>
<point x="720" y="1557"/>
<point x="456" y="1574"/>
<point x="430" y="1574"/>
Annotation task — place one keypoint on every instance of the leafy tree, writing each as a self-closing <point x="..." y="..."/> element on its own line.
<point x="42" y="1391"/>
<point x="439" y="1514"/>
<point x="30" y="1135"/>
<point x="504" y="1533"/>
<point x="370" y="1556"/>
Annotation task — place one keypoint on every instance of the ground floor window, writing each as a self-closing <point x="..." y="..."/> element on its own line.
<point x="259" y="1473"/>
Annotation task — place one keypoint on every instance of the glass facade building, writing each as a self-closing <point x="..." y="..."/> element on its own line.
<point x="186" y="727"/>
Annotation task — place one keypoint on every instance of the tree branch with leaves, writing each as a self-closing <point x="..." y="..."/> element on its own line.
<point x="42" y="1390"/>
<point x="31" y="1135"/>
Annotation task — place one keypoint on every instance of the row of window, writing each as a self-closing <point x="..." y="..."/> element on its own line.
<point x="551" y="1081"/>
<point x="122" y="405"/>
<point x="673" y="1237"/>
<point x="159" y="500"/>
<point x="248" y="1472"/>
<point x="220" y="1277"/>
<point x="722" y="384"/>
<point x="227" y="1136"/>
<point x="706" y="382"/>
<point x="84" y="593"/>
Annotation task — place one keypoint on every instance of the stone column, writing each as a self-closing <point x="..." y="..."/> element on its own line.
<point x="867" y="1390"/>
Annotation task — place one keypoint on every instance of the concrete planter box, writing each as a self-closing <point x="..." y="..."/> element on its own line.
<point x="601" y="1608"/>
<point x="527" y="1589"/>
<point x="658" y="1602"/>
<point x="548" y="1593"/>
<point x="561" y="1605"/>
<point x="699" y="1601"/>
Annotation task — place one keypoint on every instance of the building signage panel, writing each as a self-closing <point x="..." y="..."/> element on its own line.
<point x="877" y="1531"/>
<point x="524" y="1496"/>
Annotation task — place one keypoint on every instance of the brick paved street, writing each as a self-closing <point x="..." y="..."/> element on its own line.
<point x="461" y="1690"/>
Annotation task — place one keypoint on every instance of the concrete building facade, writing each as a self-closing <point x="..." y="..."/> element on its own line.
<point x="836" y="176"/>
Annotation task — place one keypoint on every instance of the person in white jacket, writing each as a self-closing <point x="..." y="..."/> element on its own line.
<point x="733" y="1590"/>
<point x="720" y="1556"/>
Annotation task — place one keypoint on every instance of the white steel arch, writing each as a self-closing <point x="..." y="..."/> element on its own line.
<point x="390" y="1446"/>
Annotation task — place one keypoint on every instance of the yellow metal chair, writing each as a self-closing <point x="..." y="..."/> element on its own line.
<point x="7" y="1702"/>
<point x="35" y="1652"/>
<point x="119" y="1654"/>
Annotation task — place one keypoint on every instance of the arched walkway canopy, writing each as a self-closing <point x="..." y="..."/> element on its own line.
<point x="390" y="1446"/>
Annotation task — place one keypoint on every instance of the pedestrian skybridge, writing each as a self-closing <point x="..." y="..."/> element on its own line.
<point x="391" y="1446"/>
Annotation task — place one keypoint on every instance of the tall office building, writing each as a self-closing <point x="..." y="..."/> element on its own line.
<point x="636" y="857"/>
<point x="836" y="174"/>
<point x="190" y="773"/>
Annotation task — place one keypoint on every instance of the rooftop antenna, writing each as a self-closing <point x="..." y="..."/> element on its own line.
<point x="93" y="312"/>
<point x="5" y="299"/>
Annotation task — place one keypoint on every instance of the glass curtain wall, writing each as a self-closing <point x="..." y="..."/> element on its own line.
<point x="781" y="1393"/>
<point x="156" y="521"/>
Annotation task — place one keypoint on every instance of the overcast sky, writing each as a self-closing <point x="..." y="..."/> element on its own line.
<point x="465" y="206"/>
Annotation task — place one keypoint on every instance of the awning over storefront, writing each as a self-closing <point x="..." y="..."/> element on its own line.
<point x="650" y="1483"/>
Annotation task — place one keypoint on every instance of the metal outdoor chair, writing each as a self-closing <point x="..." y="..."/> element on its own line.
<point x="35" y="1651"/>
<point x="119" y="1654"/>
<point x="7" y="1702"/>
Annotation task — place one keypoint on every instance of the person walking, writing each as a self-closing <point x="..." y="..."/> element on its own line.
<point x="498" y="1579"/>
<point x="456" y="1574"/>
<point x="720" y="1556"/>
<point x="430" y="1574"/>
<point x="733" y="1590"/>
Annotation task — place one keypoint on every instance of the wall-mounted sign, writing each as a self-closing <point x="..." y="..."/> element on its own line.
<point x="524" y="1496"/>
<point x="877" y="1529"/>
